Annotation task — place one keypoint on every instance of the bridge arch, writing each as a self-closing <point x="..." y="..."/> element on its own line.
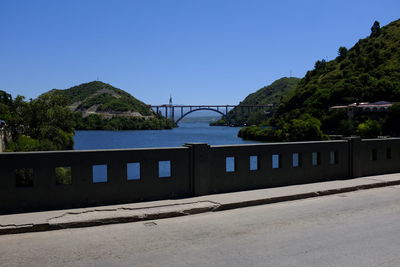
<point x="198" y="109"/>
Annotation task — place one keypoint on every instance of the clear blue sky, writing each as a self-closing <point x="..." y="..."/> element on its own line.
<point x="200" y="51"/>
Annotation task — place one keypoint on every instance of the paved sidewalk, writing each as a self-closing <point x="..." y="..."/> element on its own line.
<point x="84" y="217"/>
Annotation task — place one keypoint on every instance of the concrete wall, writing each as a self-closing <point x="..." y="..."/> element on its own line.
<point x="2" y="141"/>
<point x="376" y="156"/>
<point x="46" y="194"/>
<point x="196" y="169"/>
<point x="266" y="176"/>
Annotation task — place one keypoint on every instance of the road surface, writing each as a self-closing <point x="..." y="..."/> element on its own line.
<point x="354" y="229"/>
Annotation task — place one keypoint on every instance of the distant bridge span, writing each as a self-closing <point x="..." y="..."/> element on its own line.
<point x="170" y="111"/>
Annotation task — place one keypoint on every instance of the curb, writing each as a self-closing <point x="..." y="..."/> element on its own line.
<point x="272" y="200"/>
<point x="28" y="228"/>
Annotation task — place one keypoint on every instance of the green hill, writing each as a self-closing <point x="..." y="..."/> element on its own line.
<point x="101" y="98"/>
<point x="368" y="72"/>
<point x="272" y="95"/>
<point x="100" y="106"/>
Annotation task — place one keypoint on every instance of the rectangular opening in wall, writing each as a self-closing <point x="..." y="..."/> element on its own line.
<point x="164" y="169"/>
<point x="296" y="160"/>
<point x="333" y="157"/>
<point x="230" y="164"/>
<point x="253" y="163"/>
<point x="276" y="161"/>
<point x="374" y="154"/>
<point x="133" y="171"/>
<point x="24" y="177"/>
<point x="388" y="153"/>
<point x="63" y="175"/>
<point x="99" y="174"/>
<point x="315" y="158"/>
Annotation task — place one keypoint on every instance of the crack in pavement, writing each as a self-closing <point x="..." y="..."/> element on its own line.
<point x="162" y="209"/>
<point x="16" y="225"/>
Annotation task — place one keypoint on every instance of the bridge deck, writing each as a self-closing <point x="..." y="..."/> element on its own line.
<point x="221" y="109"/>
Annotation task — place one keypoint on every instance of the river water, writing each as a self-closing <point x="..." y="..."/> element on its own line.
<point x="185" y="133"/>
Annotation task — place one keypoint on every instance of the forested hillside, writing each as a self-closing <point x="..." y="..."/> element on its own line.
<point x="367" y="72"/>
<point x="272" y="95"/>
<point x="100" y="106"/>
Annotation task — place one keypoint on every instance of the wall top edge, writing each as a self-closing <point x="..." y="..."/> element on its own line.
<point x="183" y="147"/>
<point x="382" y="139"/>
<point x="281" y="143"/>
<point x="94" y="151"/>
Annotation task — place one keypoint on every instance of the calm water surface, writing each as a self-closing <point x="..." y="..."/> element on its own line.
<point x="185" y="133"/>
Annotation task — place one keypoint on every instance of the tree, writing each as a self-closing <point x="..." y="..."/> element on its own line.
<point x="305" y="128"/>
<point x="369" y="129"/>
<point x="41" y="124"/>
<point x="5" y="98"/>
<point x="342" y="52"/>
<point x="375" y="29"/>
<point x="320" y="64"/>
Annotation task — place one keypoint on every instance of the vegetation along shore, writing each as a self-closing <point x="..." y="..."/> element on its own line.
<point x="49" y="122"/>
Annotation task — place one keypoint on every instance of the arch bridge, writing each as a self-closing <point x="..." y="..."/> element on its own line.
<point x="178" y="112"/>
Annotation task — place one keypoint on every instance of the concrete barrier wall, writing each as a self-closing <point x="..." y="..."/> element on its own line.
<point x="2" y="141"/>
<point x="276" y="165"/>
<point x="376" y="156"/>
<point x="195" y="169"/>
<point x="46" y="194"/>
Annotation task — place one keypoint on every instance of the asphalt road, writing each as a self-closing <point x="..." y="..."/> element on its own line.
<point x="353" y="229"/>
